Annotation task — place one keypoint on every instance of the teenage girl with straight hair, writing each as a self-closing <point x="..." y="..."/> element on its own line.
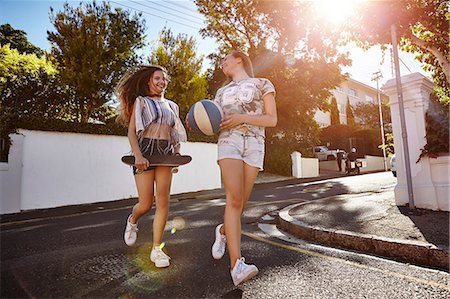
<point x="249" y="106"/>
<point x="154" y="128"/>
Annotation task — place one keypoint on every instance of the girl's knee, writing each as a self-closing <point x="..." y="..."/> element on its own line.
<point x="235" y="201"/>
<point x="162" y="202"/>
<point x="143" y="208"/>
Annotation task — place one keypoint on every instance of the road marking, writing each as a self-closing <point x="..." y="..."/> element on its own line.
<point x="340" y="260"/>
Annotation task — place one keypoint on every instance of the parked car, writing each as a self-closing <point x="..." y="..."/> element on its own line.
<point x="323" y="153"/>
<point x="393" y="166"/>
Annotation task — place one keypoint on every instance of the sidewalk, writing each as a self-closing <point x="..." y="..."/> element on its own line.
<point x="372" y="223"/>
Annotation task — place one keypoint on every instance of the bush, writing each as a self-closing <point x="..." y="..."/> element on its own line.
<point x="437" y="129"/>
<point x="366" y="141"/>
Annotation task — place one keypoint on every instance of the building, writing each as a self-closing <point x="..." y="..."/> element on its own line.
<point x="356" y="92"/>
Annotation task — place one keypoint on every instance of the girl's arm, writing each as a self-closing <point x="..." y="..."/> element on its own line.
<point x="268" y="119"/>
<point x="132" y="138"/>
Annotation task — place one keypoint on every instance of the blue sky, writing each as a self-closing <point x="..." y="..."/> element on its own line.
<point x="32" y="16"/>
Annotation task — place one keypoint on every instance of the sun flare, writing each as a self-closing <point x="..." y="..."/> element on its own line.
<point x="336" y="11"/>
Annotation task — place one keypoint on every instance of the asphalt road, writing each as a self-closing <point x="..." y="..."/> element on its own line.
<point x="83" y="255"/>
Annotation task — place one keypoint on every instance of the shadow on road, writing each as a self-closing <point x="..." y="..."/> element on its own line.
<point x="434" y="225"/>
<point x="236" y="293"/>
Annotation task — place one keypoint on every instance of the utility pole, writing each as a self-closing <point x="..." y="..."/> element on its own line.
<point x="376" y="77"/>
<point x="402" y="118"/>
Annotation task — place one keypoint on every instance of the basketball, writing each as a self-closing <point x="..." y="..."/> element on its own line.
<point x="205" y="117"/>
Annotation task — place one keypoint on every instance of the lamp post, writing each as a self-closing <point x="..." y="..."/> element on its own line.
<point x="402" y="118"/>
<point x="376" y="77"/>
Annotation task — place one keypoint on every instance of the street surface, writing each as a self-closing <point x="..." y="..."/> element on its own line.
<point x="84" y="255"/>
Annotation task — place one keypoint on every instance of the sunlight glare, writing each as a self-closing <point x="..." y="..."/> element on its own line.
<point x="336" y="11"/>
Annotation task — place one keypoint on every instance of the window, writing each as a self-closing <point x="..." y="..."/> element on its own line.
<point x="352" y="92"/>
<point x="369" y="99"/>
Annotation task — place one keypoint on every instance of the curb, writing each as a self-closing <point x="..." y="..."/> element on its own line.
<point x="405" y="251"/>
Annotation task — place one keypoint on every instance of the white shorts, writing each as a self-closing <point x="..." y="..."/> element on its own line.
<point x="242" y="146"/>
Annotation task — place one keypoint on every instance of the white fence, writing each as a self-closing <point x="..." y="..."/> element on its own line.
<point x="52" y="169"/>
<point x="372" y="163"/>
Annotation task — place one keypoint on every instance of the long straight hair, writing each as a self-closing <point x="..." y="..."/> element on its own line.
<point x="134" y="84"/>
<point x="247" y="63"/>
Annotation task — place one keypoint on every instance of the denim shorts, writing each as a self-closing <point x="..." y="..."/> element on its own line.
<point x="247" y="147"/>
<point x="153" y="147"/>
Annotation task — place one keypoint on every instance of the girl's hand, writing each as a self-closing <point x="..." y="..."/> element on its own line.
<point x="141" y="162"/>
<point x="187" y="122"/>
<point x="232" y="120"/>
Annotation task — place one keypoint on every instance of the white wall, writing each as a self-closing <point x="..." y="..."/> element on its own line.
<point x="372" y="163"/>
<point x="52" y="169"/>
<point x="10" y="177"/>
<point x="430" y="180"/>
<point x="375" y="163"/>
<point x="310" y="167"/>
<point x="304" y="167"/>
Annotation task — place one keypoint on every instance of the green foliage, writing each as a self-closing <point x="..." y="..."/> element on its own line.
<point x="7" y="126"/>
<point x="345" y="137"/>
<point x="349" y="112"/>
<point x="178" y="54"/>
<point x="388" y="145"/>
<point x="287" y="46"/>
<point x="368" y="116"/>
<point x="334" y="112"/>
<point x="93" y="46"/>
<point x="17" y="39"/>
<point x="303" y="64"/>
<point x="437" y="129"/>
<point x="278" y="158"/>
<point x="14" y="64"/>
<point x="422" y="27"/>
<point x="367" y="141"/>
<point x="30" y="85"/>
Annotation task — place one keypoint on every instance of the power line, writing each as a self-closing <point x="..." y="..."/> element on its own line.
<point x="170" y="20"/>
<point x="182" y="12"/>
<point x="404" y="65"/>
<point x="182" y="6"/>
<point x="171" y="14"/>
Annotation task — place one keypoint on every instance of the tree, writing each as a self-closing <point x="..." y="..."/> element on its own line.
<point x="178" y="54"/>
<point x="334" y="112"/>
<point x="29" y="85"/>
<point x="368" y="116"/>
<point x="93" y="46"/>
<point x="349" y="112"/>
<point x="17" y="39"/>
<point x="422" y="27"/>
<point x="297" y="55"/>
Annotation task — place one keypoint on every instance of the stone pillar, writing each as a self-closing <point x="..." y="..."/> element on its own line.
<point x="416" y="97"/>
<point x="296" y="164"/>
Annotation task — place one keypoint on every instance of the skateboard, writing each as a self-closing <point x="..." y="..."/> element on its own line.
<point x="167" y="161"/>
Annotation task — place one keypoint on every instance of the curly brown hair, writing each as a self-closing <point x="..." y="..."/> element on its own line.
<point x="134" y="84"/>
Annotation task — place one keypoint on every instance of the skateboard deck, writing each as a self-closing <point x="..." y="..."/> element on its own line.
<point x="168" y="161"/>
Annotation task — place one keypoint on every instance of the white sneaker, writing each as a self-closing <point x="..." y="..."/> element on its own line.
<point x="130" y="235"/>
<point x="242" y="272"/>
<point x="218" y="248"/>
<point x="160" y="259"/>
